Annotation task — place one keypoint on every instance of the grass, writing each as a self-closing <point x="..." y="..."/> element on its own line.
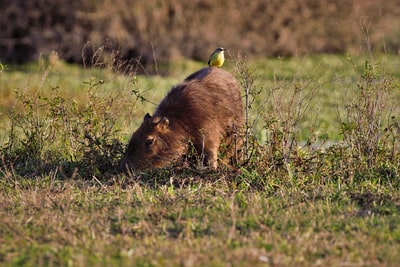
<point x="192" y="221"/>
<point x="313" y="191"/>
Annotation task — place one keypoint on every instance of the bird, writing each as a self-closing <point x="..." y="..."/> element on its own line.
<point x="217" y="57"/>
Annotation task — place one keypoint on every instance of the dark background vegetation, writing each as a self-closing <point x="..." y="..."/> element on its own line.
<point x="166" y="30"/>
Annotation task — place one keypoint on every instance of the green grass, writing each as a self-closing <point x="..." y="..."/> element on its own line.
<point x="317" y="189"/>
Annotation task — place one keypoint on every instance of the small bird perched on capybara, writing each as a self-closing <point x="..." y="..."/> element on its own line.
<point x="205" y="110"/>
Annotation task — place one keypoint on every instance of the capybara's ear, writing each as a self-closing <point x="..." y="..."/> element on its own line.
<point x="147" y="117"/>
<point x="163" y="123"/>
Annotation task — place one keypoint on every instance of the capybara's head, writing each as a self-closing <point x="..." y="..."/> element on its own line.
<point x="153" y="145"/>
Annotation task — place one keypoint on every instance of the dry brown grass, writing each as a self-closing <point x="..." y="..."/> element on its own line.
<point x="165" y="30"/>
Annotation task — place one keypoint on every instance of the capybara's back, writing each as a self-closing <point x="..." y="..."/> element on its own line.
<point x="205" y="109"/>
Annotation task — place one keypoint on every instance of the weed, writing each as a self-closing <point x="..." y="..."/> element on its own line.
<point x="247" y="78"/>
<point x="369" y="119"/>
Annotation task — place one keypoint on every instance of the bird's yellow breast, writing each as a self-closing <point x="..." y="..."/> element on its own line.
<point x="217" y="59"/>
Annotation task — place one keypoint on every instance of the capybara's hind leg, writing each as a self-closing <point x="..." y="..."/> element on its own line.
<point x="211" y="153"/>
<point x="211" y="159"/>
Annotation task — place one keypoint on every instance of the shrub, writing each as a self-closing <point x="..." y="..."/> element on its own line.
<point x="369" y="128"/>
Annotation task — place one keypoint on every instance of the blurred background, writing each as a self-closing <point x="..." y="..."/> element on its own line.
<point x="167" y="30"/>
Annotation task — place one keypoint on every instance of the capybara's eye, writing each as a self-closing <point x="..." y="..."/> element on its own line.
<point x="149" y="141"/>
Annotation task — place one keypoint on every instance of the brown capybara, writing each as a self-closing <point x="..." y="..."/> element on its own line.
<point x="206" y="109"/>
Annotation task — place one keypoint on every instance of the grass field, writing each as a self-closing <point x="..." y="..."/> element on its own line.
<point x="321" y="186"/>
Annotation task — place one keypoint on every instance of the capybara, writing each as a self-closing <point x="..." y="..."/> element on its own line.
<point x="205" y="110"/>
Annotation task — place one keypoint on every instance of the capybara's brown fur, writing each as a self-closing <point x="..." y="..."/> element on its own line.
<point x="206" y="109"/>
